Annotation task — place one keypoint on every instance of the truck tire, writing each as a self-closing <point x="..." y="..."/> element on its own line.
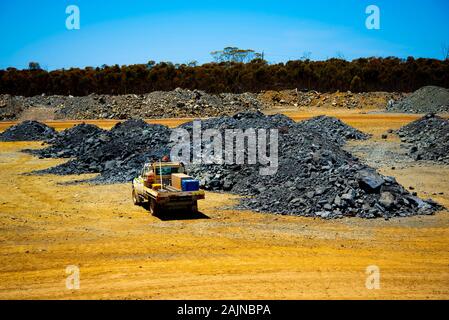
<point x="194" y="208"/>
<point x="136" y="198"/>
<point x="155" y="208"/>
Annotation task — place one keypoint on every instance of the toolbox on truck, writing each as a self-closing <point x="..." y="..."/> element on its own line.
<point x="177" y="178"/>
<point x="190" y="185"/>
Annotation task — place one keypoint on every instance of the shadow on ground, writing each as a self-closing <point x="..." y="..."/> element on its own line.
<point x="173" y="215"/>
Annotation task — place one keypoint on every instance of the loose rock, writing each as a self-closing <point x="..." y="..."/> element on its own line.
<point x="427" y="138"/>
<point x="427" y="99"/>
<point x="315" y="176"/>
<point x="28" y="131"/>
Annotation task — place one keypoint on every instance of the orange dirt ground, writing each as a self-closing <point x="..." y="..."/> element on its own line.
<point x="125" y="253"/>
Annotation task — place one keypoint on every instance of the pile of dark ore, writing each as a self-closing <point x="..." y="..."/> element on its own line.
<point x="315" y="176"/>
<point x="424" y="100"/>
<point x="118" y="155"/>
<point x="427" y="138"/>
<point x="28" y="131"/>
<point x="333" y="129"/>
<point x="71" y="142"/>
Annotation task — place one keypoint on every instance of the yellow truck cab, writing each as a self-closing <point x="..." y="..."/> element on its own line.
<point x="166" y="186"/>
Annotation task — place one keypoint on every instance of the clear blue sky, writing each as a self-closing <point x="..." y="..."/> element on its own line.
<point x="135" y="31"/>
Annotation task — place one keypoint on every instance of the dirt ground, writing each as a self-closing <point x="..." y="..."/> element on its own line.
<point x="124" y="253"/>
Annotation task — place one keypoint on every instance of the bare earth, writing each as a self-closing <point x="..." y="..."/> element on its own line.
<point x="125" y="253"/>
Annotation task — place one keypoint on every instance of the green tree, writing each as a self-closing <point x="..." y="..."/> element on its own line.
<point x="234" y="54"/>
<point x="34" y="66"/>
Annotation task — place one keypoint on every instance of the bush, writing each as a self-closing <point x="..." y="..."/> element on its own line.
<point x="367" y="74"/>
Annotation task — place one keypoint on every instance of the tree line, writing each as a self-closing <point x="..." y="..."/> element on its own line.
<point x="231" y="75"/>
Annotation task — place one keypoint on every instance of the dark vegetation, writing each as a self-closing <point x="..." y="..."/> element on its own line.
<point x="231" y="74"/>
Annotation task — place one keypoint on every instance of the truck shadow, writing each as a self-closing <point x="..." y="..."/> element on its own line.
<point x="172" y="215"/>
<point x="179" y="215"/>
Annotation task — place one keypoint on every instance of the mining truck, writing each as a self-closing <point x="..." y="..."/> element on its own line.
<point x="165" y="186"/>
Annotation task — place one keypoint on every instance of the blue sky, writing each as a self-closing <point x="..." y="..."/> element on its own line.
<point x="135" y="31"/>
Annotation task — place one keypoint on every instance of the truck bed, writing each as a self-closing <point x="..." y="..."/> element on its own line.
<point x="173" y="194"/>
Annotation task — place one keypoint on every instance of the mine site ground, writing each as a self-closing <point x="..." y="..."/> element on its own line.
<point x="125" y="253"/>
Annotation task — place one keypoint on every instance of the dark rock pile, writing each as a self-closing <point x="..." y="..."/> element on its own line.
<point x="28" y="131"/>
<point x="333" y="129"/>
<point x="315" y="177"/>
<point x="427" y="138"/>
<point x="424" y="100"/>
<point x="244" y="120"/>
<point x="71" y="142"/>
<point x="117" y="154"/>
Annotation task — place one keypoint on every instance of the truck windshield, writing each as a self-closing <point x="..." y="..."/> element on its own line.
<point x="166" y="171"/>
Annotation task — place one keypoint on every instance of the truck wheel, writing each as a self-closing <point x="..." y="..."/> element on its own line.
<point x="194" y="208"/>
<point x="136" y="198"/>
<point x="155" y="209"/>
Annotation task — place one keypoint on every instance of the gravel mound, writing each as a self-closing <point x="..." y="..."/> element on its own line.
<point x="158" y="104"/>
<point x="117" y="154"/>
<point x="315" y="99"/>
<point x="244" y="120"/>
<point x="315" y="177"/>
<point x="333" y="129"/>
<point x="10" y="107"/>
<point x="28" y="131"/>
<point x="427" y="138"/>
<point x="427" y="99"/>
<point x="70" y="142"/>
